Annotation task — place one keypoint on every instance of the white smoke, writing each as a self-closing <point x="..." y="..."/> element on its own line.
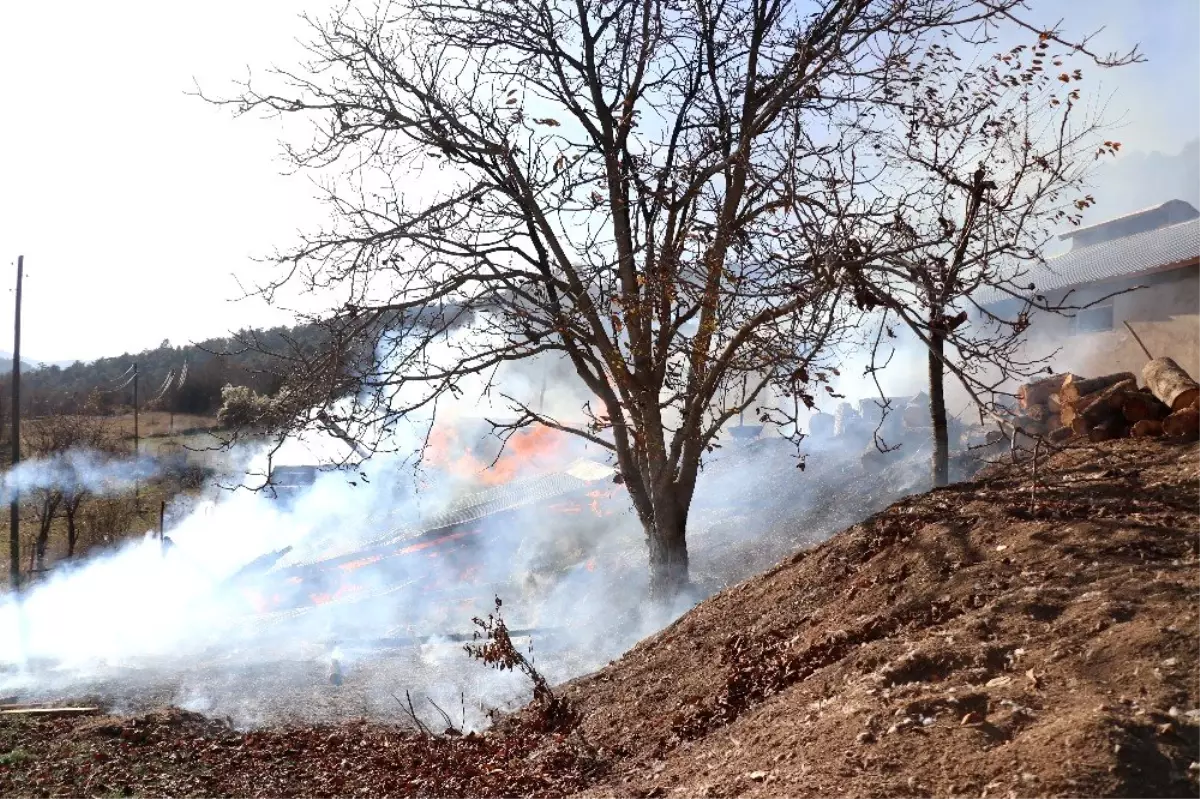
<point x="79" y="470"/>
<point x="194" y="624"/>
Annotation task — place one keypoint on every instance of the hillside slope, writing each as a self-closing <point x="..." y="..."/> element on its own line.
<point x="956" y="643"/>
<point x="983" y="639"/>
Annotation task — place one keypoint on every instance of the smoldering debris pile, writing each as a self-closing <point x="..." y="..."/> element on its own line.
<point x="1064" y="406"/>
<point x="887" y="431"/>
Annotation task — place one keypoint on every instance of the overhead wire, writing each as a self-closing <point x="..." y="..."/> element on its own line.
<point x="166" y="384"/>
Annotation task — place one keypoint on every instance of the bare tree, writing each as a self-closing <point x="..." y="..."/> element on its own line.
<point x="988" y="161"/>
<point x="657" y="191"/>
<point x="54" y="437"/>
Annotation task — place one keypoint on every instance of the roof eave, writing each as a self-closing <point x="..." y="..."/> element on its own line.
<point x="1167" y="267"/>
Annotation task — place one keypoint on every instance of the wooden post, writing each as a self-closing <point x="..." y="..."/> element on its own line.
<point x="137" y="506"/>
<point x="1138" y="339"/>
<point x="14" y="518"/>
<point x="162" y="527"/>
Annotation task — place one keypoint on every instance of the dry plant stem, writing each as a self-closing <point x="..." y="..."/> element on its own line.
<point x="451" y="728"/>
<point x="412" y="714"/>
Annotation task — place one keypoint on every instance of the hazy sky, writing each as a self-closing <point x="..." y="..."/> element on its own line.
<point x="133" y="203"/>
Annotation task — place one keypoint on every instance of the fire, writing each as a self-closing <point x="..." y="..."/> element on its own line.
<point x="434" y="542"/>
<point x="358" y="564"/>
<point x="344" y="590"/>
<point x="533" y="447"/>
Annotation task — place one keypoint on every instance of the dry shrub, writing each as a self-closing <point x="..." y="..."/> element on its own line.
<point x="107" y="520"/>
<point x="493" y="645"/>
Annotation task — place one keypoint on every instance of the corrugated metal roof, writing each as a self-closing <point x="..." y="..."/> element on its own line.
<point x="1111" y="260"/>
<point x="1162" y="213"/>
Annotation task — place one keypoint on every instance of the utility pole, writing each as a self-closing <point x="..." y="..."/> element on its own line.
<point x="136" y="448"/>
<point x="14" y="509"/>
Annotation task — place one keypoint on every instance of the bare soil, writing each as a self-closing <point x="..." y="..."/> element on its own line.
<point x="992" y="638"/>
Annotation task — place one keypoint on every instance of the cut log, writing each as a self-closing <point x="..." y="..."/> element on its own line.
<point x="1183" y="424"/>
<point x="1075" y="387"/>
<point x="1140" y="406"/>
<point x="1072" y="410"/>
<point x="1170" y="383"/>
<point x="1114" y="427"/>
<point x="1107" y="404"/>
<point x="1038" y="392"/>
<point x="1146" y="428"/>
<point x="1033" y="427"/>
<point x="1061" y="434"/>
<point x="1038" y="412"/>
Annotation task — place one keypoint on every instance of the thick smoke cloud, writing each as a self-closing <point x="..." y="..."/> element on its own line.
<point x="217" y="623"/>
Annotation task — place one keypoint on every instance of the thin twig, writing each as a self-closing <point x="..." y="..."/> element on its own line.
<point x="412" y="714"/>
<point x="445" y="716"/>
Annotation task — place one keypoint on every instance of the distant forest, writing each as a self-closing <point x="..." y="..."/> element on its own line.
<point x="185" y="379"/>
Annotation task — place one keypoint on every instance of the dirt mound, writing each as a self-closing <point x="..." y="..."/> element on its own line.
<point x="993" y="638"/>
<point x="979" y="639"/>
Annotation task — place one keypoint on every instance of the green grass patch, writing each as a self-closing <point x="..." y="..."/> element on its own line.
<point x="14" y="757"/>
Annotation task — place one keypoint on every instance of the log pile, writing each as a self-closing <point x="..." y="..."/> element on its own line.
<point x="1100" y="408"/>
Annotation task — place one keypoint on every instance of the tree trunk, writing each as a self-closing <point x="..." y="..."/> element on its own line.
<point x="43" y="538"/>
<point x="49" y="510"/>
<point x="70" y="513"/>
<point x="666" y="539"/>
<point x="937" y="409"/>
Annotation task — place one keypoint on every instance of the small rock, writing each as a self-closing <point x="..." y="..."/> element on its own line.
<point x="1173" y="712"/>
<point x="866" y="737"/>
<point x="998" y="682"/>
<point x="758" y="776"/>
<point x="1171" y="662"/>
<point x="1166" y="729"/>
<point x="974" y="717"/>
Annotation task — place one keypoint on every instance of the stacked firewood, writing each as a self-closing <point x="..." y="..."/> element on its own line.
<point x="1101" y="408"/>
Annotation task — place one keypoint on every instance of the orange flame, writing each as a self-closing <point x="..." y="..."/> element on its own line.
<point x="533" y="447"/>
<point x="344" y="590"/>
<point x="358" y="564"/>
